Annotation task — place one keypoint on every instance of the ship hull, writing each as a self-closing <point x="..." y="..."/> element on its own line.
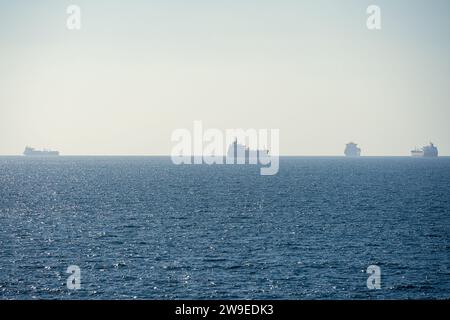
<point x="42" y="154"/>
<point x="31" y="152"/>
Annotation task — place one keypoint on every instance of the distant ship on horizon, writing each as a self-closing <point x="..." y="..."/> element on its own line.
<point x="352" y="150"/>
<point x="33" y="152"/>
<point x="429" y="151"/>
<point x="240" y="151"/>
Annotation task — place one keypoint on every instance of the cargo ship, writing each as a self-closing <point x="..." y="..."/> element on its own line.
<point x="39" y="153"/>
<point x="429" y="151"/>
<point x="352" y="150"/>
<point x="240" y="151"/>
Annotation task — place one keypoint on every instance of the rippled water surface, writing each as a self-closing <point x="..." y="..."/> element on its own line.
<point x="141" y="227"/>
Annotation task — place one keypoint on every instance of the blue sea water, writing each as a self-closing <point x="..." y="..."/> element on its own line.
<point x="141" y="227"/>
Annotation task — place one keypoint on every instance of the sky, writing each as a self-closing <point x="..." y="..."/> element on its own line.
<point x="138" y="70"/>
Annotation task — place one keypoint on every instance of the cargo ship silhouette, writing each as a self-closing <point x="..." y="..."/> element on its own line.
<point x="39" y="153"/>
<point x="240" y="152"/>
<point x="352" y="150"/>
<point x="427" y="151"/>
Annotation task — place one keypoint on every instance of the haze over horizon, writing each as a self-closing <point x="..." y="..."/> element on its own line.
<point x="138" y="70"/>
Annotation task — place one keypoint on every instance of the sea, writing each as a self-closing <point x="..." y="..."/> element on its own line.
<point x="144" y="228"/>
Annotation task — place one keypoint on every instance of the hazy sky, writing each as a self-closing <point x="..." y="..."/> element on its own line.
<point x="137" y="70"/>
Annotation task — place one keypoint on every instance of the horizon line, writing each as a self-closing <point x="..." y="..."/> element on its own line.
<point x="196" y="156"/>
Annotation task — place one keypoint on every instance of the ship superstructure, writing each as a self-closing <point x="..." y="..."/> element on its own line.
<point x="352" y="150"/>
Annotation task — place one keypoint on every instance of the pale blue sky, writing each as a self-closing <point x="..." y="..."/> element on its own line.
<point x="140" y="69"/>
